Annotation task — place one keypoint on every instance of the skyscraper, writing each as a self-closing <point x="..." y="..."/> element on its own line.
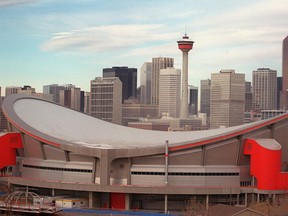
<point x="264" y="89"/>
<point x="205" y="88"/>
<point x="157" y="64"/>
<point x="227" y="99"/>
<point x="128" y="77"/>
<point x="53" y="89"/>
<point x="248" y="97"/>
<point x="72" y="97"/>
<point x="12" y="90"/>
<point x="169" y="92"/>
<point x="192" y="100"/>
<point x="106" y="99"/>
<point x="284" y="93"/>
<point x="145" y="83"/>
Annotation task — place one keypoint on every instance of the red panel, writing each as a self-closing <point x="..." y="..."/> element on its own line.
<point x="117" y="201"/>
<point x="185" y="47"/>
<point x="8" y="144"/>
<point x="265" y="165"/>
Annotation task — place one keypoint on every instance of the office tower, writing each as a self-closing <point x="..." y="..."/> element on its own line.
<point x="53" y="89"/>
<point x="248" y="97"/>
<point x="12" y="90"/>
<point x="72" y="97"/>
<point x="3" y="120"/>
<point x="169" y="92"/>
<point x="279" y="90"/>
<point x="227" y="100"/>
<point x="192" y="100"/>
<point x="145" y="83"/>
<point x="27" y="90"/>
<point x="264" y="89"/>
<point x="133" y="111"/>
<point x="205" y="88"/>
<point x="158" y="63"/>
<point x="128" y="77"/>
<point x="87" y="100"/>
<point x="106" y="99"/>
<point x="185" y="45"/>
<point x="284" y="93"/>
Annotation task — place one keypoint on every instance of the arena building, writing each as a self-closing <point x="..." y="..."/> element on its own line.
<point x="62" y="151"/>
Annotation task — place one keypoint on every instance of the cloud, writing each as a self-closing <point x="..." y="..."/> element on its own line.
<point x="9" y="3"/>
<point x="106" y="38"/>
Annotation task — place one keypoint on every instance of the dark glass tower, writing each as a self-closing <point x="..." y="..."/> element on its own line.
<point x="128" y="77"/>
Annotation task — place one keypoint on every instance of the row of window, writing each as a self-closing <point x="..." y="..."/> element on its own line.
<point x="185" y="174"/>
<point x="57" y="168"/>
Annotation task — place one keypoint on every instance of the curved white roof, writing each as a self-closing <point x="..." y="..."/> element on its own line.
<point x="47" y="119"/>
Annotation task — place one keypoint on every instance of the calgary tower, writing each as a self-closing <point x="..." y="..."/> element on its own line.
<point x="185" y="45"/>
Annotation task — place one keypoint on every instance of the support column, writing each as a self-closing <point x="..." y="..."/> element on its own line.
<point x="238" y="198"/>
<point x="91" y="200"/>
<point x="207" y="201"/>
<point x="166" y="204"/>
<point x="53" y="192"/>
<point x="246" y="200"/>
<point x="127" y="202"/>
<point x="105" y="167"/>
<point x="258" y="198"/>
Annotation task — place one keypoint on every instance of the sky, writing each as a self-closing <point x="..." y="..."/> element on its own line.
<point x="45" y="42"/>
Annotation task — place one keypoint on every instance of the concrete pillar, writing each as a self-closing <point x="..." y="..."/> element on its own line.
<point x="207" y="201"/>
<point x="238" y="198"/>
<point x="246" y="200"/>
<point x="258" y="198"/>
<point x="166" y="204"/>
<point x="184" y="95"/>
<point x="127" y="202"/>
<point x="91" y="200"/>
<point x="53" y="192"/>
<point x="105" y="167"/>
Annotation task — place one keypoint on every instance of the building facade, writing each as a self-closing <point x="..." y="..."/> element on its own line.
<point x="192" y="100"/>
<point x="128" y="77"/>
<point x="12" y="90"/>
<point x="169" y="92"/>
<point x="205" y="92"/>
<point x="53" y="89"/>
<point x="248" y="97"/>
<point x="106" y="99"/>
<point x="264" y="89"/>
<point x="284" y="93"/>
<point x="145" y="83"/>
<point x="227" y="100"/>
<point x="72" y="97"/>
<point x="157" y="64"/>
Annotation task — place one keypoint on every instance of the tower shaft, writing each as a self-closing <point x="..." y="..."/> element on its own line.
<point x="184" y="89"/>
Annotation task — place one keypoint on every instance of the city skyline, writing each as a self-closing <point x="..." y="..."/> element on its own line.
<point x="46" y="42"/>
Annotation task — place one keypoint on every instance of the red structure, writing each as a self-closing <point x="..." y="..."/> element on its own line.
<point x="265" y="164"/>
<point x="8" y="144"/>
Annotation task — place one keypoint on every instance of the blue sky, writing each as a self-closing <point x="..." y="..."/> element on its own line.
<point x="50" y="41"/>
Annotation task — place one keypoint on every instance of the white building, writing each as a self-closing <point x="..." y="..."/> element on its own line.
<point x="265" y="89"/>
<point x="169" y="92"/>
<point x="106" y="99"/>
<point x="227" y="100"/>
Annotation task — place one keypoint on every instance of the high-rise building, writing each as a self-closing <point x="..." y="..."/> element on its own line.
<point x="157" y="64"/>
<point x="284" y="93"/>
<point x="54" y="90"/>
<point x="132" y="111"/>
<point x="12" y="90"/>
<point x="72" y="97"/>
<point x="106" y="99"/>
<point x="169" y="92"/>
<point x="192" y="100"/>
<point x="145" y="83"/>
<point x="205" y="88"/>
<point x="264" y="89"/>
<point x="128" y="77"/>
<point x="248" y="97"/>
<point x="279" y="90"/>
<point x="227" y="99"/>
